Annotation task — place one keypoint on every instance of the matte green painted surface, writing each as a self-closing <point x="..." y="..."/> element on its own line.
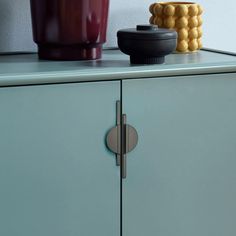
<point x="182" y="175"/>
<point x="56" y="176"/>
<point x="27" y="69"/>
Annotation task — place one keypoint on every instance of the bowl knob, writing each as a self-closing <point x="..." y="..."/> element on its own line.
<point x="146" y="27"/>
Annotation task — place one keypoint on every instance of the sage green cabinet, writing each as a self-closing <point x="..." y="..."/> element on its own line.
<point x="56" y="176"/>
<point x="181" y="178"/>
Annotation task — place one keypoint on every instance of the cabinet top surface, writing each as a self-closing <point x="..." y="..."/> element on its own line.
<point x="27" y="69"/>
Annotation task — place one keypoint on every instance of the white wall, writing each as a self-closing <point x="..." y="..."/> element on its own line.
<point x="219" y="22"/>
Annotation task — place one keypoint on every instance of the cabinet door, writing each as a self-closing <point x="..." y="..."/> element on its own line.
<point x="181" y="178"/>
<point x="56" y="176"/>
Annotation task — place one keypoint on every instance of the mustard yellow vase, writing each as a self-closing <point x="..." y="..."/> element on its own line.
<point x="185" y="18"/>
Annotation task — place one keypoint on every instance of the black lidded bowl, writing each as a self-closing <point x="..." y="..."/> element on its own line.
<point x="147" y="44"/>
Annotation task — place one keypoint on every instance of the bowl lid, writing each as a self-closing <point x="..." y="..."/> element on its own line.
<point x="147" y="32"/>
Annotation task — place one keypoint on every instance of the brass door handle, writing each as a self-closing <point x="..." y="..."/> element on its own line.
<point x="122" y="139"/>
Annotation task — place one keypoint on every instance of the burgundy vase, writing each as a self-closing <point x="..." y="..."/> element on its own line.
<point x="69" y="29"/>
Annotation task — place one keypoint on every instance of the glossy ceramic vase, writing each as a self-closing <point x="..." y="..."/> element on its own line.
<point x="185" y="18"/>
<point x="69" y="29"/>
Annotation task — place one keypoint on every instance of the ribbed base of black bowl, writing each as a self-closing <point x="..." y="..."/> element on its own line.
<point x="146" y="60"/>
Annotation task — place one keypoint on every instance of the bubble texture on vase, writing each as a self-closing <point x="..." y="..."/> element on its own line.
<point x="185" y="18"/>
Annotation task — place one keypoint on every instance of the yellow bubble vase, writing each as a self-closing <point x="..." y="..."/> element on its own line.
<point x="185" y="18"/>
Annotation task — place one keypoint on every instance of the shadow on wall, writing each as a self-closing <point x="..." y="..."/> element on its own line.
<point x="125" y="18"/>
<point x="15" y="26"/>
